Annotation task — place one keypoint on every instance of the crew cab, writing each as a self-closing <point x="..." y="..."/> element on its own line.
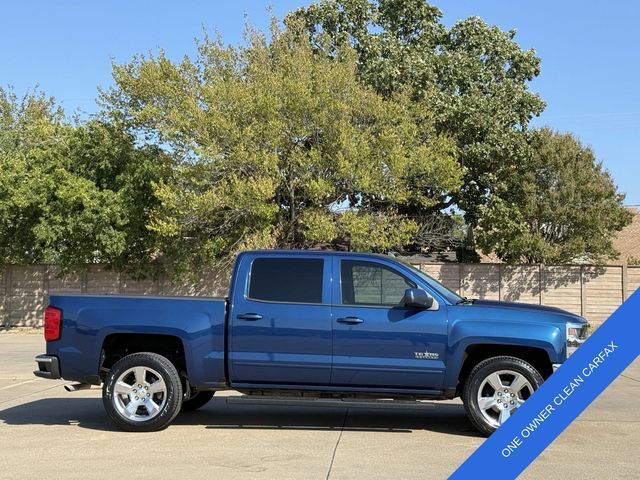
<point x="307" y="323"/>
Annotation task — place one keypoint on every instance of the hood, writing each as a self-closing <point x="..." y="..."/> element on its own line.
<point x="529" y="307"/>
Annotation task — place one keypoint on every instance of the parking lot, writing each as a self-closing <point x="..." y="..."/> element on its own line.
<point x="46" y="432"/>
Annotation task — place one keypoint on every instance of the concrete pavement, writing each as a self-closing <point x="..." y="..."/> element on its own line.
<point x="46" y="432"/>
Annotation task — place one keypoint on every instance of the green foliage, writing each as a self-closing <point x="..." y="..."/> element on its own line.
<point x="559" y="206"/>
<point x="473" y="76"/>
<point x="276" y="146"/>
<point x="71" y="195"/>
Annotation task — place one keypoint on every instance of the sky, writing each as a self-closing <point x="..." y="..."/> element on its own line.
<point x="590" y="55"/>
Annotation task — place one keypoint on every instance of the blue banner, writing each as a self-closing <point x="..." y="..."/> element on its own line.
<point x="605" y="354"/>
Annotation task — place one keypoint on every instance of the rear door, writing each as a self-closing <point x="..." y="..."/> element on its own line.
<point x="377" y="343"/>
<point x="280" y="320"/>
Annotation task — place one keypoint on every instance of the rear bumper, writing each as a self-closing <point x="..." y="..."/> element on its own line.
<point x="48" y="367"/>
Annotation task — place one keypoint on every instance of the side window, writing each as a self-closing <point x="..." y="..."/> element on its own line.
<point x="368" y="283"/>
<point x="295" y="280"/>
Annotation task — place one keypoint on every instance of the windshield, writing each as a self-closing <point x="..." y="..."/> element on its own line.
<point x="436" y="285"/>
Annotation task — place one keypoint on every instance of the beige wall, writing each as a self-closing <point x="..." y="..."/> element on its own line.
<point x="24" y="289"/>
<point x="592" y="291"/>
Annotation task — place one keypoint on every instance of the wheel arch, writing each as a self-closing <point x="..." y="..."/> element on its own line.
<point x="118" y="345"/>
<point x="475" y="353"/>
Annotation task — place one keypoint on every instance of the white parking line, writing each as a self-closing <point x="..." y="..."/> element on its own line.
<point x="18" y="399"/>
<point x="17" y="384"/>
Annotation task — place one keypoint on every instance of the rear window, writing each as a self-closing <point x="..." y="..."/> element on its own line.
<point x="295" y="280"/>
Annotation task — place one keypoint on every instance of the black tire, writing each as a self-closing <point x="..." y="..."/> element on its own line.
<point x="196" y="401"/>
<point x="172" y="394"/>
<point x="476" y="379"/>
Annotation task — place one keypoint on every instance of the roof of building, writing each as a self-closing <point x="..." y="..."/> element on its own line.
<point x="627" y="241"/>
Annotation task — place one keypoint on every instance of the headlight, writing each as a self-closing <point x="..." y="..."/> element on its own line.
<point x="576" y="335"/>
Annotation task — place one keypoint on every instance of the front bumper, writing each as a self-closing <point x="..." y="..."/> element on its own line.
<point x="48" y="367"/>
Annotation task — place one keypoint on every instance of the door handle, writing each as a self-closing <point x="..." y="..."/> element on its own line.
<point x="249" y="316"/>
<point x="350" y="320"/>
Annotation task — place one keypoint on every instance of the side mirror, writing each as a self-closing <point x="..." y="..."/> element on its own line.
<point x="417" y="298"/>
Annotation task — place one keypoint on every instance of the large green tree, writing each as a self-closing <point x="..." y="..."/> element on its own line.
<point x="473" y="76"/>
<point x="276" y="146"/>
<point x="559" y="206"/>
<point x="72" y="194"/>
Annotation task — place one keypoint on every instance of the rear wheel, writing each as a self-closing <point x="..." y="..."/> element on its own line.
<point x="196" y="401"/>
<point x="142" y="392"/>
<point x="496" y="388"/>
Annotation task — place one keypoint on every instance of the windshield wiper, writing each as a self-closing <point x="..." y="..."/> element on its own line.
<point x="464" y="300"/>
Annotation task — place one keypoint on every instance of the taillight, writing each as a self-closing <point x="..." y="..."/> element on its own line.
<point x="52" y="323"/>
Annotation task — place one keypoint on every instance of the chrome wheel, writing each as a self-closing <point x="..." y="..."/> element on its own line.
<point x="501" y="393"/>
<point x="139" y="394"/>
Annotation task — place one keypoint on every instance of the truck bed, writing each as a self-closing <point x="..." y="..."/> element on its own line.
<point x="91" y="320"/>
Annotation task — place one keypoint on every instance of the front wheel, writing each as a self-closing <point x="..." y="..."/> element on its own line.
<point x="142" y="392"/>
<point x="496" y="388"/>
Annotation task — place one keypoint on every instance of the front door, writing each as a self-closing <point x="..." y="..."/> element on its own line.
<point x="377" y="342"/>
<point x="280" y="321"/>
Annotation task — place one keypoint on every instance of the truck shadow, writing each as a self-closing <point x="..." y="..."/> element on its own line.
<point x="218" y="415"/>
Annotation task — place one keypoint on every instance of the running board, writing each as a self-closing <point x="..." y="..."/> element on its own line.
<point x="325" y="402"/>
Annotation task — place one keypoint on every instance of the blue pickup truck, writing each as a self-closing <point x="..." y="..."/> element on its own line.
<point x="307" y="323"/>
